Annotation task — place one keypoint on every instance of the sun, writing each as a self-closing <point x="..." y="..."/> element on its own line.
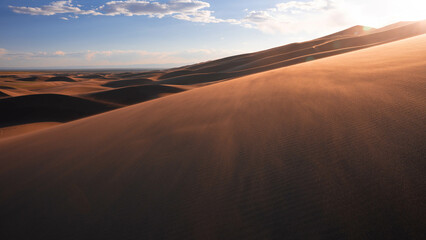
<point x="377" y="13"/>
<point x="410" y="10"/>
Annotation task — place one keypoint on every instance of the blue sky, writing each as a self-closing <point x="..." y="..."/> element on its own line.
<point x="166" y="33"/>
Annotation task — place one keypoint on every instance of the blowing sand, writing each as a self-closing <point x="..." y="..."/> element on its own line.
<point x="328" y="149"/>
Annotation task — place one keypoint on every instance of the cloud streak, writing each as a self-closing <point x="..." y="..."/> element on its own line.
<point x="53" y="8"/>
<point x="296" y="17"/>
<point x="188" y="10"/>
<point x="291" y="17"/>
<point x="282" y="18"/>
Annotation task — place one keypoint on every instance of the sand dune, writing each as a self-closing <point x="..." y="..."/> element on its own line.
<point x="345" y="41"/>
<point x="34" y="78"/>
<point x="176" y="73"/>
<point x="16" y="92"/>
<point x="127" y="83"/>
<point x="7" y="76"/>
<point x="148" y="74"/>
<point x="135" y="94"/>
<point x="60" y="79"/>
<point x="6" y="87"/>
<point x="73" y="89"/>
<point x="351" y="32"/>
<point x="392" y="26"/>
<point x="329" y="149"/>
<point x="92" y="76"/>
<point x="2" y="94"/>
<point x="47" y="108"/>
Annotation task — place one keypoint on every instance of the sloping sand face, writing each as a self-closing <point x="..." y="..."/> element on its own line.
<point x="12" y="131"/>
<point x="331" y="149"/>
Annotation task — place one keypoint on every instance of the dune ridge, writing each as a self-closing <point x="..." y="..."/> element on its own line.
<point x="338" y="43"/>
<point x="127" y="83"/>
<point x="60" y="79"/>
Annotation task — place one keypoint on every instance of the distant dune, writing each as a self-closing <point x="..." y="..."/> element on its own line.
<point x="351" y="32"/>
<point x="127" y="83"/>
<point x="2" y="94"/>
<point x="61" y="79"/>
<point x="6" y="87"/>
<point x="326" y="149"/>
<point x="132" y="95"/>
<point x="33" y="78"/>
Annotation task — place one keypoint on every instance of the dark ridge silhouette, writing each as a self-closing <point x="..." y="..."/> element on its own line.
<point x="175" y="74"/>
<point x="94" y="76"/>
<point x="135" y="94"/>
<point x="127" y="83"/>
<point x="48" y="108"/>
<point x="139" y="74"/>
<point x="6" y="87"/>
<point x="2" y="94"/>
<point x="8" y="76"/>
<point x="198" y="78"/>
<point x="60" y="79"/>
<point x="33" y="78"/>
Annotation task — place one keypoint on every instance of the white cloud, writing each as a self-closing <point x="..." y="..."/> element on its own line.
<point x="303" y="17"/>
<point x="296" y="17"/>
<point x="152" y="9"/>
<point x="188" y="10"/>
<point x="53" y="8"/>
<point x="203" y="16"/>
<point x="2" y="51"/>
<point x="277" y="19"/>
<point x="297" y="6"/>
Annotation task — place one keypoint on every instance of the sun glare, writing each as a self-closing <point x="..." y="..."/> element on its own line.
<point x="412" y="10"/>
<point x="378" y="13"/>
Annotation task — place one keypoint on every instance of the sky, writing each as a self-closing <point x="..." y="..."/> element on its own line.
<point x="168" y="33"/>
